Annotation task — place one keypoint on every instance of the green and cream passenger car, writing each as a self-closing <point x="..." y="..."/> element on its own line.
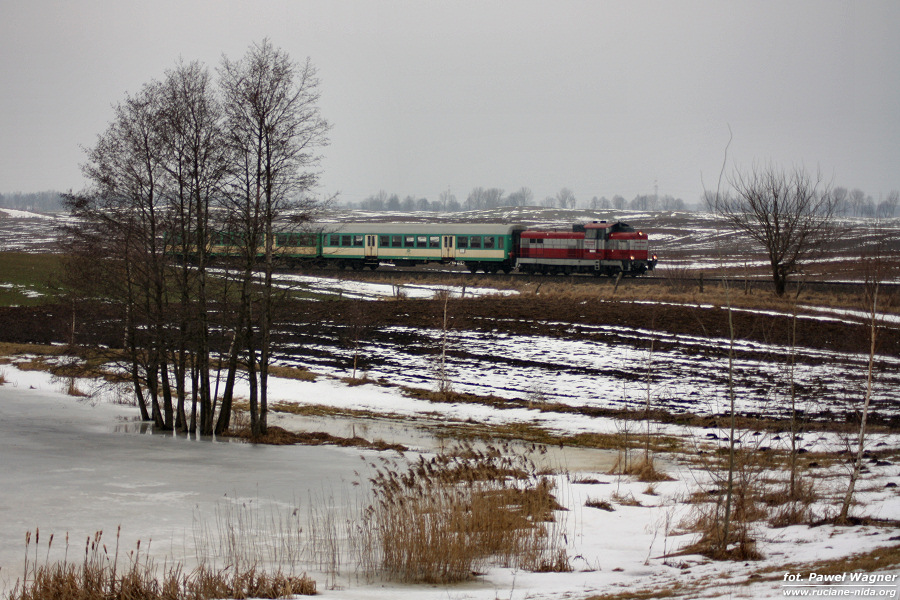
<point x="484" y="247"/>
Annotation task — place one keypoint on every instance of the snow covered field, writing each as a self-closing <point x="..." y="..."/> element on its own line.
<point x="603" y="365"/>
<point x="75" y="466"/>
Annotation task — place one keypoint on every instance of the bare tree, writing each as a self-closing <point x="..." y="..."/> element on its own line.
<point x="195" y="161"/>
<point x="126" y="205"/>
<point x="880" y="265"/>
<point x="565" y="198"/>
<point x="153" y="173"/>
<point x="274" y="130"/>
<point x="448" y="201"/>
<point x="788" y="214"/>
<point x="521" y="197"/>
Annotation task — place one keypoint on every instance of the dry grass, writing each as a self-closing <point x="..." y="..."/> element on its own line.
<point x="278" y="436"/>
<point x="446" y="518"/>
<point x="626" y="499"/>
<point x="12" y="349"/>
<point x="73" y="390"/>
<point x="102" y="575"/>
<point x="297" y="373"/>
<point x="601" y="504"/>
<point x="645" y="471"/>
<point x="787" y="508"/>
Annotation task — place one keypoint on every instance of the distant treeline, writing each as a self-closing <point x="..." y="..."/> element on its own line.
<point x="851" y="203"/>
<point x="36" y="201"/>
<point x="487" y="198"/>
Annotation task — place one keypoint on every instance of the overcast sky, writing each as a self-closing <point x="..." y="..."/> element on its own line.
<point x="602" y="97"/>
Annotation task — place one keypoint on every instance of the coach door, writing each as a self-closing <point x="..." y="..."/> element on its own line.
<point x="371" y="246"/>
<point x="448" y="248"/>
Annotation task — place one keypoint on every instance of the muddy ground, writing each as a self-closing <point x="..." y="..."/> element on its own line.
<point x="568" y="351"/>
<point x="525" y="315"/>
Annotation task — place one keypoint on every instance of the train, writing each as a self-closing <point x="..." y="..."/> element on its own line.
<point x="598" y="247"/>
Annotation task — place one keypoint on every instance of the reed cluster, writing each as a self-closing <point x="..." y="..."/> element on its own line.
<point x="446" y="518"/>
<point x="101" y="575"/>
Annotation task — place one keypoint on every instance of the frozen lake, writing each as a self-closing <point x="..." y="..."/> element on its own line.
<point x="68" y="468"/>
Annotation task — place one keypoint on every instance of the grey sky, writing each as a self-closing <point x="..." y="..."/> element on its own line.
<point x="603" y="97"/>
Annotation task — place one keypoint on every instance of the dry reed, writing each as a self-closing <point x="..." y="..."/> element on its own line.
<point x="446" y="518"/>
<point x="102" y="575"/>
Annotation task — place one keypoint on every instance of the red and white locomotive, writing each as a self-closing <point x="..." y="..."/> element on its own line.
<point x="600" y="248"/>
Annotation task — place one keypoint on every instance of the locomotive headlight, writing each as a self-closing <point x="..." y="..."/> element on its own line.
<point x="631" y="257"/>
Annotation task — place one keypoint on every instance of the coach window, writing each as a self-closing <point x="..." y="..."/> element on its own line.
<point x="422" y="241"/>
<point x="434" y="241"/>
<point x="409" y="241"/>
<point x="462" y="242"/>
<point x="475" y="241"/>
<point x="359" y="240"/>
<point x="384" y="240"/>
<point x="488" y="241"/>
<point x="396" y="241"/>
<point x="346" y="240"/>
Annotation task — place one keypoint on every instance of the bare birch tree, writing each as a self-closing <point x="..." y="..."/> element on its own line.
<point x="274" y="131"/>
<point x="126" y="217"/>
<point x="880" y="265"/>
<point x="195" y="161"/>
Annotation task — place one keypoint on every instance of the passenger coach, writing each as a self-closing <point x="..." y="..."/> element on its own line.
<point x="481" y="247"/>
